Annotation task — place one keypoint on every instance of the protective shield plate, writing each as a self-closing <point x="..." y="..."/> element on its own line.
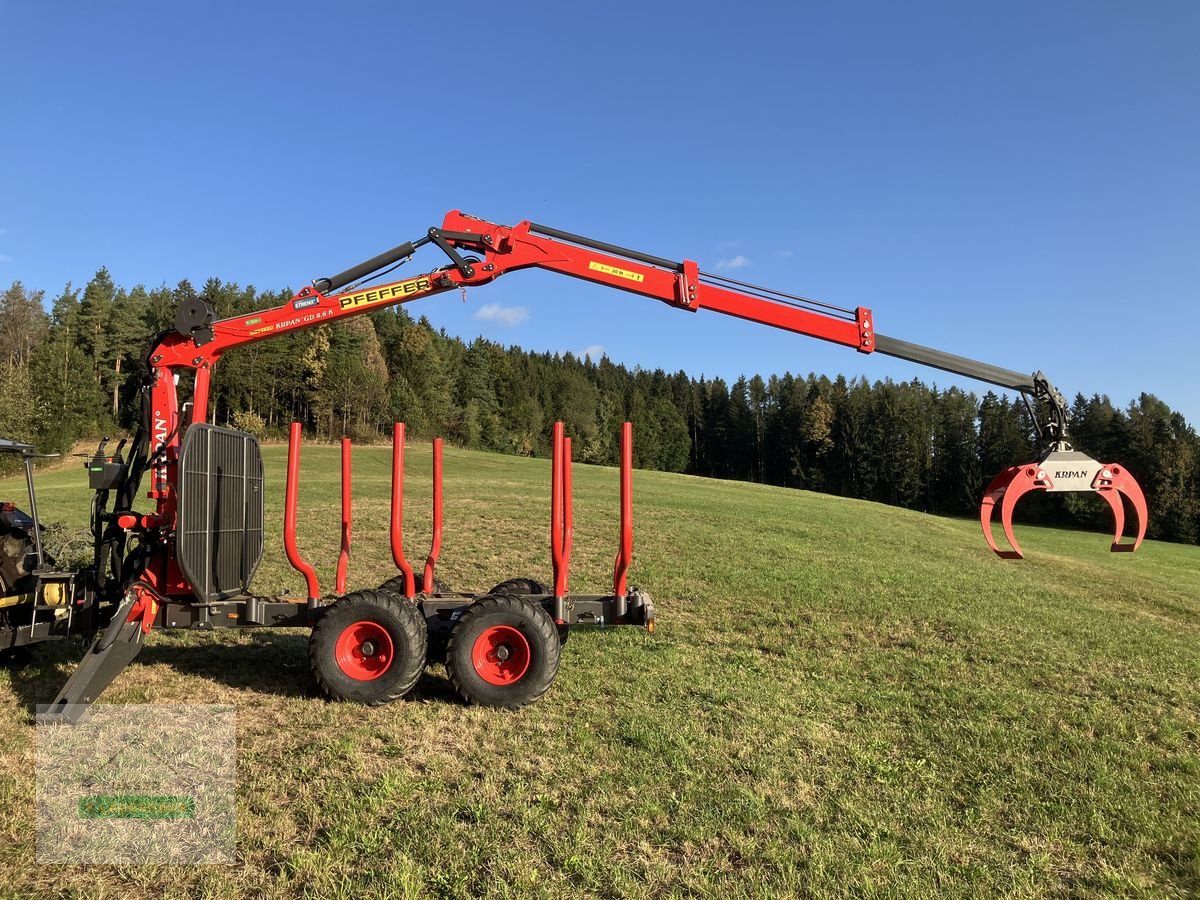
<point x="219" y="541"/>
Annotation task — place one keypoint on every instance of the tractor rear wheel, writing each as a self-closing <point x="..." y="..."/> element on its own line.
<point x="503" y="652"/>
<point x="16" y="548"/>
<point x="368" y="647"/>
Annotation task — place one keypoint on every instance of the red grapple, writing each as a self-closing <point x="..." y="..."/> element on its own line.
<point x="1062" y="471"/>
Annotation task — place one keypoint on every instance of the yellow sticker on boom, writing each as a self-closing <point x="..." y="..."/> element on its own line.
<point x="613" y="270"/>
<point x="386" y="293"/>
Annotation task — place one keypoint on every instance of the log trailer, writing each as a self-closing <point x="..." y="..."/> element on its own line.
<point x="188" y="562"/>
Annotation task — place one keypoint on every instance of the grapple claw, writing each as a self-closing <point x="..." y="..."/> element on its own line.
<point x="1008" y="487"/>
<point x="1060" y="471"/>
<point x="1113" y="499"/>
<point x="1113" y="482"/>
<point x="995" y="490"/>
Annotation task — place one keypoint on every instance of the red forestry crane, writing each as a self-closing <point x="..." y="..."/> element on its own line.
<point x="137" y="567"/>
<point x="480" y="252"/>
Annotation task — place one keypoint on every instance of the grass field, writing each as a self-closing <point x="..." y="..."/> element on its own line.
<point x="840" y="699"/>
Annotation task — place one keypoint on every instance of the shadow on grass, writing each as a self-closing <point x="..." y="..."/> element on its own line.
<point x="274" y="664"/>
<point x="266" y="663"/>
<point x="36" y="674"/>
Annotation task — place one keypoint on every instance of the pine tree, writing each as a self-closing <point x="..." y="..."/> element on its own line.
<point x="955" y="474"/>
<point x="741" y="431"/>
<point x="18" y="406"/>
<point x="126" y="339"/>
<point x="94" y="311"/>
<point x="23" y="324"/>
<point x="479" y="426"/>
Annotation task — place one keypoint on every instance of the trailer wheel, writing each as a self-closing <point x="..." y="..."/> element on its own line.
<point x="529" y="587"/>
<point x="369" y="647"/>
<point x="503" y="652"/>
<point x="520" y="586"/>
<point x="396" y="585"/>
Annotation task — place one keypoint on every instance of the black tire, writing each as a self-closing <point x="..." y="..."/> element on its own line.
<point x="396" y="585"/>
<point x="524" y="631"/>
<point x="529" y="587"/>
<point x="15" y="547"/>
<point x="344" y="649"/>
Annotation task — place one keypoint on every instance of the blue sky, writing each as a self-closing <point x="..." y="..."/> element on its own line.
<point x="1015" y="182"/>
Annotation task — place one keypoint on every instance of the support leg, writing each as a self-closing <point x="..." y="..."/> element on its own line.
<point x="108" y="656"/>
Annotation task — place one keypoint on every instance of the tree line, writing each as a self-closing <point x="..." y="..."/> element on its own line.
<point x="71" y="369"/>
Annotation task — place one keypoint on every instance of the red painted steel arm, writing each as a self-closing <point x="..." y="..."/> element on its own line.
<point x="435" y="546"/>
<point x="343" y="563"/>
<point x="202" y="350"/>
<point x="625" y="547"/>
<point x="556" y="510"/>
<point x="505" y="249"/>
<point x="397" y="529"/>
<point x="681" y="284"/>
<point x="289" y="514"/>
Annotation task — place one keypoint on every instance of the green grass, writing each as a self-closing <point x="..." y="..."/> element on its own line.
<point x="841" y="699"/>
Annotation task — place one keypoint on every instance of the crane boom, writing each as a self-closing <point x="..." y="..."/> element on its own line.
<point x="479" y="252"/>
<point x="505" y="249"/>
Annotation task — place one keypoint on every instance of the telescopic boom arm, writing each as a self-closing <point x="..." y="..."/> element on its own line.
<point x="479" y="252"/>
<point x="684" y="285"/>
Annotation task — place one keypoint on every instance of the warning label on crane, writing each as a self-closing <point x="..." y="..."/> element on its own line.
<point x="613" y="270"/>
<point x="386" y="292"/>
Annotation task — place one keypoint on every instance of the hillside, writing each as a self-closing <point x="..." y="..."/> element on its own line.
<point x="840" y="696"/>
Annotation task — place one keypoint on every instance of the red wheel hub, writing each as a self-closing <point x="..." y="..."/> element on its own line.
<point x="501" y="655"/>
<point x="364" y="651"/>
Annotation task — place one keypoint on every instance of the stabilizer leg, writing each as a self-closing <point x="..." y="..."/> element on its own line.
<point x="108" y="656"/>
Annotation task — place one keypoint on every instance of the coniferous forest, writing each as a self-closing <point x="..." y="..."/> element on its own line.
<point x="70" y="369"/>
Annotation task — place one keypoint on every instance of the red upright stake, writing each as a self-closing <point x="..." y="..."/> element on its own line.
<point x="625" y="550"/>
<point x="435" y="547"/>
<point x="556" y="510"/>
<point x="289" y="516"/>
<point x="568" y="521"/>
<point x="344" y="556"/>
<point x="398" y="510"/>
